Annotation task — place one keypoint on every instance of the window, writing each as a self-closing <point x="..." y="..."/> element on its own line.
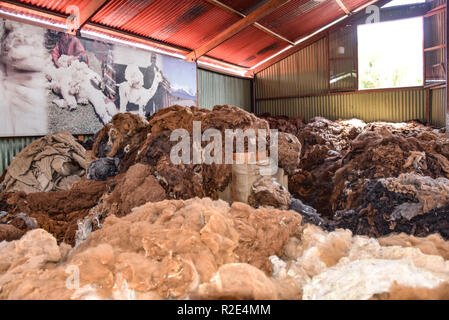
<point x="435" y="35"/>
<point x="342" y="59"/>
<point x="390" y="54"/>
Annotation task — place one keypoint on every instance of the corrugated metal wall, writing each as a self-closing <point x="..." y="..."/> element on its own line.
<point x="10" y="147"/>
<point x="218" y="89"/>
<point x="437" y="107"/>
<point x="305" y="73"/>
<point x="395" y="106"/>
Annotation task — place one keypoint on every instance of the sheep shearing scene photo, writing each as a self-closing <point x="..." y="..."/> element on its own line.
<point x="53" y="81"/>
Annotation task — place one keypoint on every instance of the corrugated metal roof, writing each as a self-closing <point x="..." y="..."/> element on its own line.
<point x="56" y="5"/>
<point x="190" y="23"/>
<point x="242" y="6"/>
<point x="248" y="47"/>
<point x="187" y="23"/>
<point x="301" y="17"/>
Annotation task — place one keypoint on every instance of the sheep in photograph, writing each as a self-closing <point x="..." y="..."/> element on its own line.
<point x="78" y="84"/>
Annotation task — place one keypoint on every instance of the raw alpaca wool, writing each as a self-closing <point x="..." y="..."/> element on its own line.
<point x="57" y="212"/>
<point x="204" y="180"/>
<point x="10" y="233"/>
<point x="431" y="193"/>
<point x="284" y="124"/>
<point x="51" y="163"/>
<point x="23" y="102"/>
<point x="121" y="138"/>
<point x="338" y="157"/>
<point x="78" y="84"/>
<point x="289" y="150"/>
<point x="103" y="168"/>
<point x="243" y="281"/>
<point x="383" y="154"/>
<point x="337" y="265"/>
<point x="414" y="205"/>
<point x="134" y="188"/>
<point x="400" y="292"/>
<point x="309" y="214"/>
<point x="204" y="249"/>
<point x="433" y="244"/>
<point x="134" y="141"/>
<point x="267" y="192"/>
<point x="161" y="250"/>
<point x="324" y="143"/>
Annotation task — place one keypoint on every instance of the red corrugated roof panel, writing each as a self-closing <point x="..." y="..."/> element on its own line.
<point x="248" y="47"/>
<point x="56" y="5"/>
<point x="186" y="23"/>
<point x="299" y="18"/>
<point x="191" y="23"/>
<point x="242" y="6"/>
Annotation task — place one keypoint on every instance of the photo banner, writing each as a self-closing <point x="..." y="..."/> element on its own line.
<point x="53" y="81"/>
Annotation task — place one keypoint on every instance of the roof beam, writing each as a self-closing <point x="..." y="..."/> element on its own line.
<point x="343" y="7"/>
<point x="90" y="10"/>
<point x="253" y="17"/>
<point x="256" y="24"/>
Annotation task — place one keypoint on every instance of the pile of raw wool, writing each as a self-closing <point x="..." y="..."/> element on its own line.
<point x="204" y="249"/>
<point x="413" y="204"/>
<point x="383" y="154"/>
<point x="134" y="141"/>
<point x="57" y="212"/>
<point x="130" y="161"/>
<point x="324" y="143"/>
<point x="284" y="124"/>
<point x="51" y="163"/>
<point x="334" y="167"/>
<point x="170" y="249"/>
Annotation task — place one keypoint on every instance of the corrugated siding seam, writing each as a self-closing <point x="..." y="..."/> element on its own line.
<point x="10" y="147"/>
<point x="392" y="106"/>
<point x="437" y="108"/>
<point x="304" y="72"/>
<point x="218" y="89"/>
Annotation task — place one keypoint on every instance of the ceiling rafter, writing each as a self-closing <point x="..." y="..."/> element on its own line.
<point x="240" y="25"/>
<point x="91" y="10"/>
<point x="256" y="24"/>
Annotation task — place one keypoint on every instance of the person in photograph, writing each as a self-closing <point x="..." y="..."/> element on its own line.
<point x="71" y="46"/>
<point x="157" y="101"/>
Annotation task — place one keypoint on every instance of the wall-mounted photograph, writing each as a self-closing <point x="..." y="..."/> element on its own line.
<point x="53" y="81"/>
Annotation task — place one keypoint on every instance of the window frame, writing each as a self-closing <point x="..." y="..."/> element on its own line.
<point x="360" y="21"/>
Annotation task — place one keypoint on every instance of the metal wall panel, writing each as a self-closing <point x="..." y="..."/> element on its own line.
<point x="437" y="107"/>
<point x="218" y="89"/>
<point x="395" y="106"/>
<point x="304" y="72"/>
<point x="10" y="147"/>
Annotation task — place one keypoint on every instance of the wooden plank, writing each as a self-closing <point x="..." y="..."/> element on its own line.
<point x="256" y="24"/>
<point x="90" y="10"/>
<point x="240" y="25"/>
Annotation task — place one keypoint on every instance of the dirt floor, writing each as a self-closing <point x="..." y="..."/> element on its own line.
<point x="82" y="120"/>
